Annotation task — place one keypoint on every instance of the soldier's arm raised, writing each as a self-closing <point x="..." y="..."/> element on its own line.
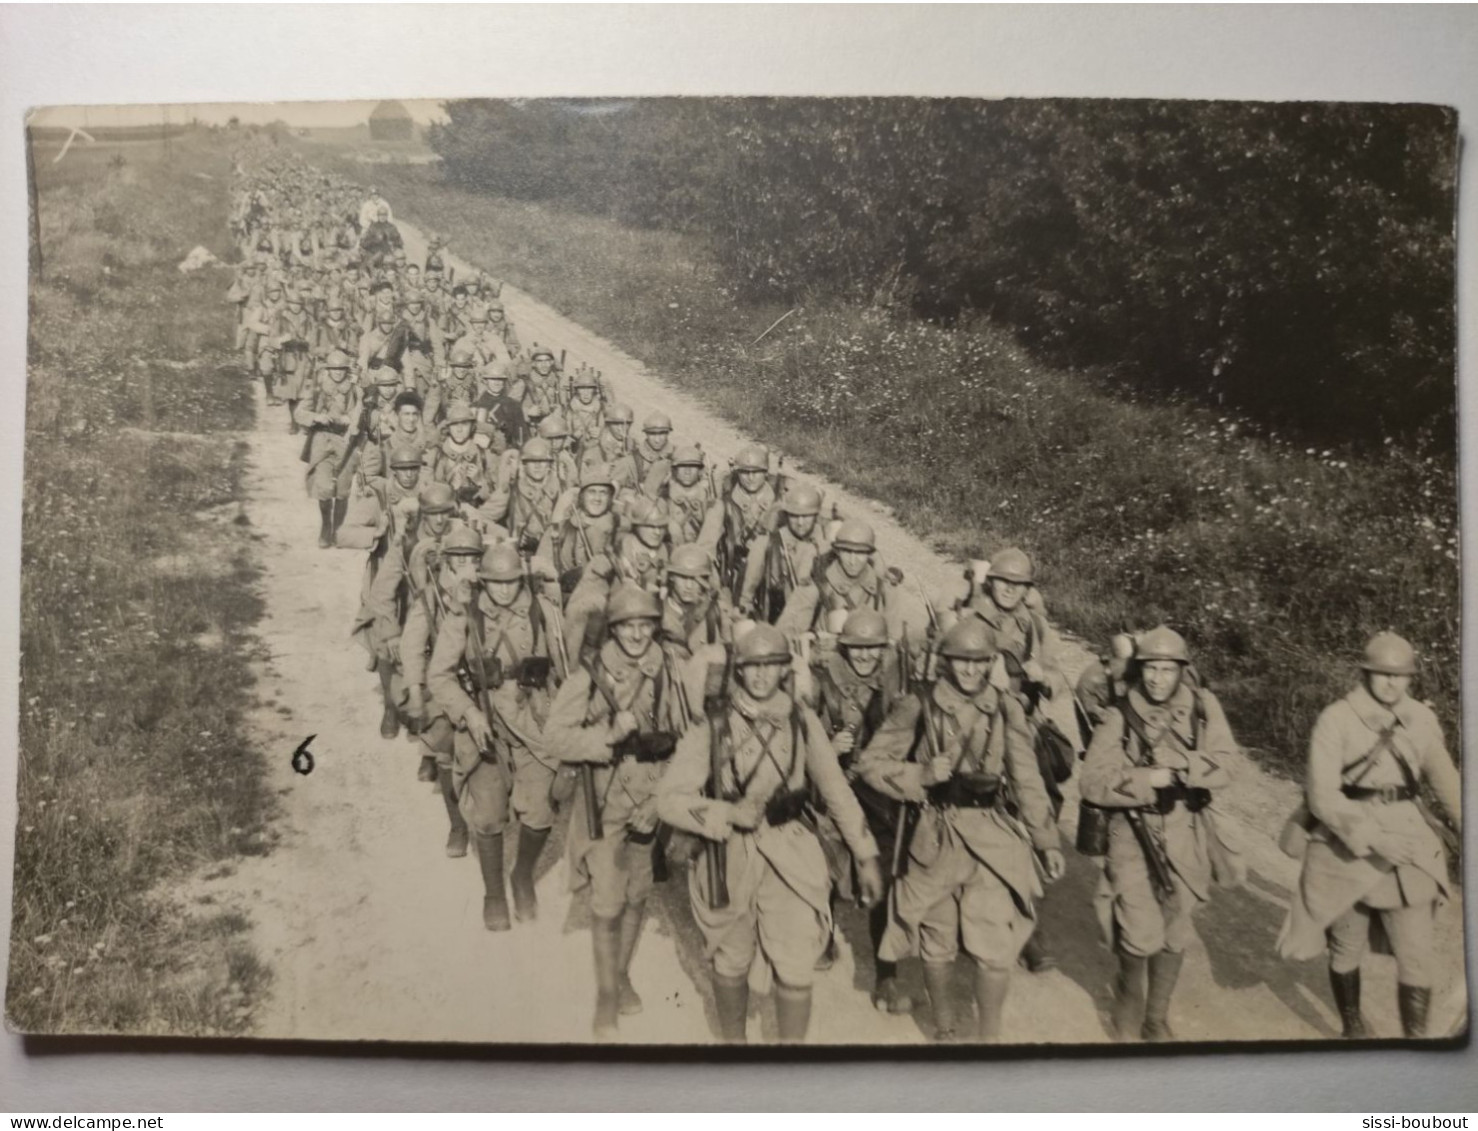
<point x="883" y="763"/>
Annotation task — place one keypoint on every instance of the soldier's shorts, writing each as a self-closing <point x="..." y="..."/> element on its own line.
<point x="765" y="915"/>
<point x="971" y="907"/>
<point x="487" y="798"/>
<point x="620" y="874"/>
<point x="1140" y="923"/>
<point x="1408" y="930"/>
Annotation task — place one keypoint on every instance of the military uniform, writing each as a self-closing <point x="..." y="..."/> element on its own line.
<point x="1371" y="856"/>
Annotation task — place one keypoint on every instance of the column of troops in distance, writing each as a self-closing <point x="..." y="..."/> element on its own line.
<point x="710" y="664"/>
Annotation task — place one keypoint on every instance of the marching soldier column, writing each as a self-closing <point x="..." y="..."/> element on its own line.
<point x="709" y="668"/>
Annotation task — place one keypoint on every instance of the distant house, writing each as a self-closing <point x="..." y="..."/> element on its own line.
<point x="391" y="121"/>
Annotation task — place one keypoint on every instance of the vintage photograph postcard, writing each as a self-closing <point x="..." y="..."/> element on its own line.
<point x="708" y="571"/>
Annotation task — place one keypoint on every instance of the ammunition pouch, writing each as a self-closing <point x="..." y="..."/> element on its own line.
<point x="656" y="746"/>
<point x="532" y="672"/>
<point x="1193" y="797"/>
<point x="1093" y="829"/>
<point x="786" y="806"/>
<point x="568" y="579"/>
<point x="528" y="543"/>
<point x="1387" y="793"/>
<point x="492" y="670"/>
<point x="635" y="837"/>
<point x="967" y="791"/>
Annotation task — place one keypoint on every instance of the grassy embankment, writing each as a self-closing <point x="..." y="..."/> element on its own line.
<point x="1275" y="559"/>
<point x="137" y="595"/>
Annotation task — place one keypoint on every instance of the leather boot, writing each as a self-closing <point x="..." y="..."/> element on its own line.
<point x="731" y="1003"/>
<point x="456" y="839"/>
<point x="426" y="771"/>
<point x="525" y="901"/>
<point x="1164" y="973"/>
<point x="887" y="994"/>
<point x="937" y="977"/>
<point x="1128" y="1013"/>
<point x="326" y="523"/>
<point x="605" y="938"/>
<point x="341" y="508"/>
<point x="495" y="898"/>
<point x="1035" y="956"/>
<point x="631" y="923"/>
<point x="390" y="719"/>
<point x="990" y="999"/>
<point x="292" y="420"/>
<point x="1346" y="989"/>
<point x="1414" y="1001"/>
<point x="792" y="1012"/>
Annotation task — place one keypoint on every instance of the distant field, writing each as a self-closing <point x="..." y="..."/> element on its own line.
<point x="1275" y="559"/>
<point x="138" y="595"/>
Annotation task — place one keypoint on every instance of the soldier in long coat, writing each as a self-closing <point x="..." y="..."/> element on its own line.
<point x="327" y="411"/>
<point x="1374" y="865"/>
<point x="773" y="753"/>
<point x="697" y="514"/>
<point x="960" y="751"/>
<point x="618" y="719"/>
<point x="697" y="612"/>
<point x="1155" y="762"/>
<point x="748" y="500"/>
<point x="494" y="670"/>
<point x="784" y="561"/>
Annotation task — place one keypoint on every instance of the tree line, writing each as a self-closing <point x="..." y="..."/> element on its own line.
<point x="1291" y="261"/>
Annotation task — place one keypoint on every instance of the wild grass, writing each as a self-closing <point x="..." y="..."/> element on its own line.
<point x="137" y="596"/>
<point x="1274" y="558"/>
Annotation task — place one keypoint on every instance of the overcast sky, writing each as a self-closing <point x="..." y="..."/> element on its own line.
<point x="294" y="113"/>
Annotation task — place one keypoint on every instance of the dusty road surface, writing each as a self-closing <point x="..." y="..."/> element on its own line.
<point x="373" y="934"/>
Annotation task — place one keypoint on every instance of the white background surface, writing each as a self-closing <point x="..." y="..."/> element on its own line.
<point x="51" y="55"/>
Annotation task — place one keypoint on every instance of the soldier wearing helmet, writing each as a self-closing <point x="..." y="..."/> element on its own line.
<point x="1156" y="761"/>
<point x="528" y="490"/>
<point x="335" y="330"/>
<point x="501" y="327"/>
<point x="959" y="748"/>
<point x="495" y="668"/>
<point x="847" y="577"/>
<point x="585" y="414"/>
<point x="855" y="684"/>
<point x="613" y="447"/>
<point x="460" y="461"/>
<point x="696" y="512"/>
<point x="786" y="560"/>
<point x="749" y="499"/>
<point x="328" y="410"/>
<point x="642" y="549"/>
<point x="541" y="386"/>
<point x="618" y="717"/>
<point x="458" y="382"/>
<point x="286" y="345"/>
<point x="697" y="612"/>
<point x="1369" y="851"/>
<point x="500" y="416"/>
<point x="651" y="456"/>
<point x="380" y="241"/>
<point x="584" y="531"/>
<point x="383" y="336"/>
<point x="455" y="319"/>
<point x="425" y="354"/>
<point x="775" y="756"/>
<point x="554" y="429"/>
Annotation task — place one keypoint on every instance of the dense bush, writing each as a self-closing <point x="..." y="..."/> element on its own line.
<point x="1293" y="260"/>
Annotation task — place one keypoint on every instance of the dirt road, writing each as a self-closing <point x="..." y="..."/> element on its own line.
<point x="372" y="933"/>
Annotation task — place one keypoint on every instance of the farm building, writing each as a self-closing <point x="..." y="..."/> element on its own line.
<point x="391" y="121"/>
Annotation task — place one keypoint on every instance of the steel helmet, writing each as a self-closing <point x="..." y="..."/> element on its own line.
<point x="541" y="351"/>
<point x="536" y="450"/>
<point x="463" y="354"/>
<point x="688" y="457"/>
<point x="415" y="297"/>
<point x="755" y="457"/>
<point x="553" y="427"/>
<point x="802" y="500"/>
<point x="1389" y="654"/>
<point x="459" y="412"/>
<point x="657" y="422"/>
<point x="762" y="644"/>
<point x="597" y="475"/>
<point x="967" y="639"/>
<point x="619" y="414"/>
<point x="864" y="628"/>
<point x="405" y="457"/>
<point x="631" y="602"/>
<point x="585" y="379"/>
<point x="854" y="534"/>
<point x="500" y="563"/>
<point x="338" y="359"/>
<point x="462" y="539"/>
<point x="1012" y="565"/>
<point x="495" y="305"/>
<point x="690" y="560"/>
<point x="648" y="512"/>
<point x="1161" y="643"/>
<point x="437" y="498"/>
<point x="388" y="378"/>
